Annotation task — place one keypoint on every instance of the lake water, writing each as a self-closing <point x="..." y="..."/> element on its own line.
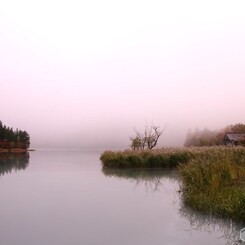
<point x="65" y="198"/>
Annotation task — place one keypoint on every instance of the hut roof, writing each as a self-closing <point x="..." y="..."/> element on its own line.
<point x="235" y="136"/>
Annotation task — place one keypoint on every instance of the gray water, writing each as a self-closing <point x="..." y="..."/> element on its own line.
<point x="65" y="198"/>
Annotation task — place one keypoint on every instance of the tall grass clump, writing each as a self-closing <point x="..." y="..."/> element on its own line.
<point x="169" y="157"/>
<point x="163" y="158"/>
<point x="214" y="182"/>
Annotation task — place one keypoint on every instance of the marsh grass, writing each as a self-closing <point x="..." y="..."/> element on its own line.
<point x="161" y="158"/>
<point x="214" y="182"/>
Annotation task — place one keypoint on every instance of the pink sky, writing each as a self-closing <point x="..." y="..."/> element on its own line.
<point x="85" y="73"/>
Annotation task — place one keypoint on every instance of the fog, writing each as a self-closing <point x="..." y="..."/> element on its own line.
<point x="88" y="73"/>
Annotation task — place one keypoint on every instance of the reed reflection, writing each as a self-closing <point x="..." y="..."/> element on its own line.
<point x="151" y="178"/>
<point x="13" y="162"/>
<point x="211" y="223"/>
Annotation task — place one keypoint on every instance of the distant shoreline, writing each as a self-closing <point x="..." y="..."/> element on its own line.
<point x="15" y="150"/>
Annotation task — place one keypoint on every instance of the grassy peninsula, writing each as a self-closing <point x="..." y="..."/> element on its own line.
<point x="212" y="178"/>
<point x="157" y="158"/>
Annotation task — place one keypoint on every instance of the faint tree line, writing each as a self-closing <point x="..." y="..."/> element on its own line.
<point x="208" y="137"/>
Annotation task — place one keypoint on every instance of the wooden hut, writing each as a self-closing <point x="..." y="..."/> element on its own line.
<point x="233" y="139"/>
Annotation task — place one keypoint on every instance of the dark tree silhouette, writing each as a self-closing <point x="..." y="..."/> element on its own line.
<point x="10" y="138"/>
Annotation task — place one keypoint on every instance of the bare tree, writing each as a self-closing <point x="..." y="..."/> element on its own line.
<point x="148" y="138"/>
<point x="153" y="135"/>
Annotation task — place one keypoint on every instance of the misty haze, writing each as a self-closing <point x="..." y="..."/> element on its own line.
<point x="86" y="76"/>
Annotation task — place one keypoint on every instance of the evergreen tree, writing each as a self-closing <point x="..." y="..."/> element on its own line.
<point x="13" y="139"/>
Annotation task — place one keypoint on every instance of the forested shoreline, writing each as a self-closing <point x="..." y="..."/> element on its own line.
<point x="11" y="140"/>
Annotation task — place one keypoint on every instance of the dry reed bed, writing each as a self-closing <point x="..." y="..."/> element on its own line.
<point x="160" y="158"/>
<point x="215" y="182"/>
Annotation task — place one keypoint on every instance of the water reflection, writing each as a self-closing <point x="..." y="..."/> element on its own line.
<point x="227" y="231"/>
<point x="13" y="161"/>
<point x="151" y="178"/>
<point x="210" y="223"/>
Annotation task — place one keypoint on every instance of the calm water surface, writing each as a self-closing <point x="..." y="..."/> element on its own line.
<point x="64" y="197"/>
